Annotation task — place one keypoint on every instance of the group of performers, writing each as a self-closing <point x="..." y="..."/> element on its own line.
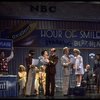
<point x="32" y="78"/>
<point x="43" y="75"/>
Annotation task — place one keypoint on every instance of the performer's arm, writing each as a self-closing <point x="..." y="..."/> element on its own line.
<point x="44" y="61"/>
<point x="11" y="56"/>
<point x="21" y="75"/>
<point x="63" y="62"/>
<point x="55" y="61"/>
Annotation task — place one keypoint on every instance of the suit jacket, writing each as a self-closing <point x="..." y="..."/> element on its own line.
<point x="52" y="65"/>
<point x="28" y="62"/>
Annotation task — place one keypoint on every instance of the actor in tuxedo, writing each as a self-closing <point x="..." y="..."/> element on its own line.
<point x="50" y="73"/>
<point x="29" y="60"/>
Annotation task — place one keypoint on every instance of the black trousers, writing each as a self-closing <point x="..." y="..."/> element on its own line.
<point x="50" y="84"/>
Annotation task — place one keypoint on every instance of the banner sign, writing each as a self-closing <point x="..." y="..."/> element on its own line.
<point x="27" y="35"/>
<point x="6" y="43"/>
<point x="61" y="38"/>
<point x="70" y="38"/>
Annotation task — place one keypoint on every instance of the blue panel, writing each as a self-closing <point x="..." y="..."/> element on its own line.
<point x="6" y="43"/>
<point x="8" y="86"/>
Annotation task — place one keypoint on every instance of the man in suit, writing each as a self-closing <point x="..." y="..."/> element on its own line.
<point x="50" y="73"/>
<point x="65" y="61"/>
<point x="30" y="74"/>
<point x="29" y="60"/>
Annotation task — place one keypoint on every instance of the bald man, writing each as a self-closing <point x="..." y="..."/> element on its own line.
<point x="50" y="73"/>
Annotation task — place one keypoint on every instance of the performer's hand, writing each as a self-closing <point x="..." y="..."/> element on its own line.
<point x="74" y="67"/>
<point x="30" y="66"/>
<point x="47" y="61"/>
<point x="78" y="69"/>
<point x="85" y="81"/>
<point x="93" y="74"/>
<point x="36" y="68"/>
<point x="51" y="62"/>
<point x="69" y="63"/>
<point x="65" y="66"/>
<point x="12" y="48"/>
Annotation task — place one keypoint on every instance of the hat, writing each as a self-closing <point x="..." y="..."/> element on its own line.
<point x="31" y="51"/>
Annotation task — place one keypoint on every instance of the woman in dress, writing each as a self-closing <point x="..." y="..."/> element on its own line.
<point x="79" y="69"/>
<point x="22" y="79"/>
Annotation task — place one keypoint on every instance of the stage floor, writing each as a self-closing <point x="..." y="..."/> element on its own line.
<point x="59" y="96"/>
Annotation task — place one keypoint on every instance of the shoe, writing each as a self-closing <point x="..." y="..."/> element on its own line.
<point x="27" y="95"/>
<point x="47" y="96"/>
<point x="51" y="97"/>
<point x="33" y="95"/>
<point x="78" y="85"/>
<point x="65" y="95"/>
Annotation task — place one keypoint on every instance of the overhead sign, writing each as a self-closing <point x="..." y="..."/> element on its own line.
<point x="70" y="38"/>
<point x="61" y="38"/>
<point x="6" y="43"/>
<point x="42" y="8"/>
<point x="30" y="36"/>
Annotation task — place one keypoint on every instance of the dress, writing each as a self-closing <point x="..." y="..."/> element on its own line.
<point x="22" y="81"/>
<point x="79" y="69"/>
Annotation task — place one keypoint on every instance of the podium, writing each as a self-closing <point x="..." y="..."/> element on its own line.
<point x="8" y="86"/>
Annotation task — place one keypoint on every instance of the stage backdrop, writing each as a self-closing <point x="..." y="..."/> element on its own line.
<point x="44" y="34"/>
<point x="32" y="33"/>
